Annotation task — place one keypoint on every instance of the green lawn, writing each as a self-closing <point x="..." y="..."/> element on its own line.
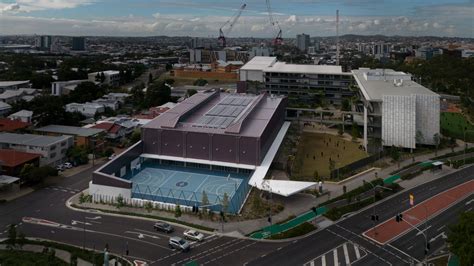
<point x="454" y="125"/>
<point x="314" y="151"/>
<point x="24" y="258"/>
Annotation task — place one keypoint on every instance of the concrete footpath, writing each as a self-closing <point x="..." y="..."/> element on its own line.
<point x="294" y="205"/>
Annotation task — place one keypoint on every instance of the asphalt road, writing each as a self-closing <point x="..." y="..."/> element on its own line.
<point x="96" y="230"/>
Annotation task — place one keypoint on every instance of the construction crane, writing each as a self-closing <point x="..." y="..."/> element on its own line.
<point x="278" y="40"/>
<point x="231" y="22"/>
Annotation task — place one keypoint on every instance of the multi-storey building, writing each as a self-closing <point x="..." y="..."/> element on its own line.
<point x="299" y="82"/>
<point x="397" y="110"/>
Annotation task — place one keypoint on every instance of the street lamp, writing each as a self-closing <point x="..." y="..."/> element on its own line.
<point x="375" y="217"/>
<point x="399" y="218"/>
<point x="267" y="186"/>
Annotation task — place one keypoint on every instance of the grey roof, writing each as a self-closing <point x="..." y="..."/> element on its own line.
<point x="23" y="113"/>
<point x="376" y="83"/>
<point x="30" y="139"/>
<point x="220" y="113"/>
<point x="4" y="105"/>
<point x="6" y="179"/>
<point x="13" y="83"/>
<point x="69" y="130"/>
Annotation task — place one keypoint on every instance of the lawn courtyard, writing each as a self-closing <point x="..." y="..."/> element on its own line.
<point x="315" y="150"/>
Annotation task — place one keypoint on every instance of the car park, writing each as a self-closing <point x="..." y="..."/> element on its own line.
<point x="193" y="235"/>
<point x="163" y="227"/>
<point x="176" y="242"/>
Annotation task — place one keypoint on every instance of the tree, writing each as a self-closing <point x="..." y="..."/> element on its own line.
<point x="78" y="155"/>
<point x="150" y="78"/>
<point x="419" y="138"/>
<point x="436" y="139"/>
<point x="225" y="202"/>
<point x="12" y="237"/>
<point x="395" y="154"/>
<point x="120" y="201"/>
<point x="200" y="82"/>
<point x="138" y="96"/>
<point x="340" y="131"/>
<point x="157" y="94"/>
<point x="136" y="136"/>
<point x="86" y="92"/>
<point x="102" y="77"/>
<point x="177" y="211"/>
<point x="332" y="165"/>
<point x="452" y="143"/>
<point x="204" y="198"/>
<point x="316" y="175"/>
<point x="460" y="238"/>
<point x="346" y="105"/>
<point x="354" y="132"/>
<point x="190" y="92"/>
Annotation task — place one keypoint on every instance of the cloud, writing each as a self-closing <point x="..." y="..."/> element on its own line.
<point x="13" y="7"/>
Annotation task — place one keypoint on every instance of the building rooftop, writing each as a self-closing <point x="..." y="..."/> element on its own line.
<point x="29" y="139"/>
<point x="69" y="130"/>
<point x="22" y="113"/>
<point x="13" y="83"/>
<point x="376" y="83"/>
<point x="8" y="125"/>
<point x="221" y="113"/>
<point x="259" y="63"/>
<point x="4" y="106"/>
<point x="12" y="158"/>
<point x="270" y="64"/>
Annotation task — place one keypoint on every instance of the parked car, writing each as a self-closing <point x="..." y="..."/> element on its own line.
<point x="176" y="242"/>
<point x="60" y="168"/>
<point x="111" y="157"/>
<point x="193" y="235"/>
<point x="67" y="165"/>
<point x="163" y="227"/>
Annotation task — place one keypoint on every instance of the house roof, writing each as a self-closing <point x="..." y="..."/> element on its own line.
<point x="8" y="125"/>
<point x="6" y="179"/>
<point x="13" y="83"/>
<point x="22" y="113"/>
<point x="4" y="106"/>
<point x="12" y="158"/>
<point x="69" y="130"/>
<point x="30" y="139"/>
<point x="109" y="127"/>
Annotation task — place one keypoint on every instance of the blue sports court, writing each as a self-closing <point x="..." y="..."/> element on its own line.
<point x="185" y="185"/>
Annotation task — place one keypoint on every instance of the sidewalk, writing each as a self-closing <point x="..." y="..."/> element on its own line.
<point x="60" y="254"/>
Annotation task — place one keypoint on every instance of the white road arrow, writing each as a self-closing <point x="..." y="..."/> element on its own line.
<point x="442" y="235"/>
<point x="94" y="218"/>
<point x="141" y="236"/>
<point x="422" y="231"/>
<point x="73" y="222"/>
<point x="469" y="202"/>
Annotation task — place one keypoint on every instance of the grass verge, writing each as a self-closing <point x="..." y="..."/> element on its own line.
<point x="200" y="227"/>
<point x="299" y="230"/>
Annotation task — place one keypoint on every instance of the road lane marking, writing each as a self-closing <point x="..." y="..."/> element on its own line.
<point x="439" y="229"/>
<point x="336" y="259"/>
<point x="410" y="247"/>
<point x="356" y="249"/>
<point x="151" y="233"/>
<point x="346" y="254"/>
<point x="422" y="231"/>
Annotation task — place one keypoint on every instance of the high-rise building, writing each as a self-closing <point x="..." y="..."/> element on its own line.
<point x="302" y="42"/>
<point x="43" y="42"/>
<point x="78" y="43"/>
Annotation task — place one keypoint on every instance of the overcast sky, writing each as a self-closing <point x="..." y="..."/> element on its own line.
<point x="205" y="17"/>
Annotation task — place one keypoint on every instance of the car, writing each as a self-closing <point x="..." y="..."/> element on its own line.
<point x="176" y="242"/>
<point x="111" y="157"/>
<point x="60" y="168"/>
<point x="164" y="227"/>
<point x="193" y="235"/>
<point x="67" y="165"/>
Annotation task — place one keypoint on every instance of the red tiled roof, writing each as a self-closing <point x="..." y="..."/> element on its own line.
<point x="12" y="158"/>
<point x="109" y="127"/>
<point x="7" y="125"/>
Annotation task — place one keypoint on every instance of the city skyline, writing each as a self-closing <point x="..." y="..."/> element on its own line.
<point x="204" y="18"/>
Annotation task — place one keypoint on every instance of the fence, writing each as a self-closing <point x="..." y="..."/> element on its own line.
<point x="353" y="167"/>
<point x="193" y="198"/>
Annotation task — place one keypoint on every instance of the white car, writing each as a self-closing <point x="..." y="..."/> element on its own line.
<point x="67" y="165"/>
<point x="193" y="235"/>
<point x="111" y="157"/>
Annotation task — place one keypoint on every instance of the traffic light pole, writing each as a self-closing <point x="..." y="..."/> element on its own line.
<point x="374" y="216"/>
<point x="423" y="232"/>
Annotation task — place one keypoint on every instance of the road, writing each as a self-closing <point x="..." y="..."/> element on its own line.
<point x="96" y="230"/>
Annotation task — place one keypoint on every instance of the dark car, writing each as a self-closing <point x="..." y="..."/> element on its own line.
<point x="163" y="227"/>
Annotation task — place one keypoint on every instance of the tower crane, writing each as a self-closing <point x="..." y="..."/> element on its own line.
<point x="278" y="40"/>
<point x="231" y="22"/>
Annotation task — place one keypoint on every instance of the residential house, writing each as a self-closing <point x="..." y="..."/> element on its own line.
<point x="23" y="115"/>
<point x="82" y="136"/>
<point x="59" y="88"/>
<point x="114" y="131"/>
<point x="5" y="108"/>
<point x="12" y="96"/>
<point x="13" y="161"/>
<point x="110" y="77"/>
<point x="8" y="125"/>
<point x="87" y="109"/>
<point x="52" y="148"/>
<point x="14" y="85"/>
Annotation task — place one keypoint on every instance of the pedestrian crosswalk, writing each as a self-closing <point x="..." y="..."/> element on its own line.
<point x="63" y="189"/>
<point x="345" y="254"/>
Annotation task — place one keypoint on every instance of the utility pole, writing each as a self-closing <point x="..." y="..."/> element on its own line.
<point x="375" y="217"/>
